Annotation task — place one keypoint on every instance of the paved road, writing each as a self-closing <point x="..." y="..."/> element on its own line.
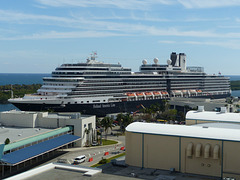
<point x="97" y="152"/>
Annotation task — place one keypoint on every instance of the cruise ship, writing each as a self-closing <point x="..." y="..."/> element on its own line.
<point x="99" y="88"/>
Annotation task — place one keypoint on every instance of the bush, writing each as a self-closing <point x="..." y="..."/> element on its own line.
<point x="103" y="161"/>
<point x="7" y="141"/>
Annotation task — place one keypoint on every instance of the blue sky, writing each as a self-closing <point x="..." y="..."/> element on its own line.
<point x="38" y="35"/>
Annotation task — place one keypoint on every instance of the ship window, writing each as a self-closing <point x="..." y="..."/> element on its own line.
<point x="68" y="102"/>
<point x="87" y="101"/>
<point x="81" y="101"/>
<point x="75" y="102"/>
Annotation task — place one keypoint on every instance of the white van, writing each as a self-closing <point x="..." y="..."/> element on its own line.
<point x="79" y="159"/>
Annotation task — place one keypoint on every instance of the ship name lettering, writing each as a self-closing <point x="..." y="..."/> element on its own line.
<point x="96" y="106"/>
<point x="106" y="105"/>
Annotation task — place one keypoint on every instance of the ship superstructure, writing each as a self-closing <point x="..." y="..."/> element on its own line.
<point x="100" y="88"/>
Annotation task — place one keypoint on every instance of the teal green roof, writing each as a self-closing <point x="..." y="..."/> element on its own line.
<point x="36" y="138"/>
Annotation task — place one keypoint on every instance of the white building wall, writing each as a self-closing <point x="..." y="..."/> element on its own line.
<point x="18" y="119"/>
<point x="46" y="120"/>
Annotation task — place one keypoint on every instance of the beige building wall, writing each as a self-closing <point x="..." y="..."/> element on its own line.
<point x="208" y="157"/>
<point x="191" y="122"/>
<point x="231" y="159"/>
<point x="161" y="152"/>
<point x="133" y="145"/>
<point x="200" y="162"/>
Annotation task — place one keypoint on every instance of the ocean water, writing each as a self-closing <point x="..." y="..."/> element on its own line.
<point x="27" y="79"/>
<point x="17" y="78"/>
<point x="233" y="77"/>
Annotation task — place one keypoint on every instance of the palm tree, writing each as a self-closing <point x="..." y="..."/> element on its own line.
<point x="87" y="131"/>
<point x="106" y="123"/>
<point x="128" y="119"/>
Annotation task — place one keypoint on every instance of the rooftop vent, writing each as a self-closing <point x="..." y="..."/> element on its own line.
<point x="200" y="108"/>
<point x="223" y="110"/>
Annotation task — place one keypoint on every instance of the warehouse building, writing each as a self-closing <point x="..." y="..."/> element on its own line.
<point x="201" y="116"/>
<point x="198" y="150"/>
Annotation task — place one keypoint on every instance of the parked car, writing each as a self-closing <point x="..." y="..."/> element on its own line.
<point x="79" y="159"/>
<point x="94" y="143"/>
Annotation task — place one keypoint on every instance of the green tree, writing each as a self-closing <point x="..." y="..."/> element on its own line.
<point x="106" y="123"/>
<point x="7" y="141"/>
<point x="128" y="119"/>
<point x="169" y="114"/>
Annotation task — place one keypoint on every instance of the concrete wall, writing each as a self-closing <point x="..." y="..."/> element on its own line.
<point x="205" y="157"/>
<point x="18" y="119"/>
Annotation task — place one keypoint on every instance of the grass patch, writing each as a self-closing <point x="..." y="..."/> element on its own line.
<point x="109" y="160"/>
<point x="108" y="142"/>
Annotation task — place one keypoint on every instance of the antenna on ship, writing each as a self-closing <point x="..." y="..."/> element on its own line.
<point x="94" y="55"/>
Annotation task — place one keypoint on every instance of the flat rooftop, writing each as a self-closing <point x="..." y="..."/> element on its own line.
<point x="19" y="133"/>
<point x="185" y="131"/>
<point x="213" y="116"/>
<point x="61" y="115"/>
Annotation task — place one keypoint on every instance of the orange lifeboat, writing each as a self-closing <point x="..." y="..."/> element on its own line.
<point x="156" y="93"/>
<point x="139" y="94"/>
<point x="164" y="93"/>
<point x="199" y="91"/>
<point x="148" y="93"/>
<point x="130" y="94"/>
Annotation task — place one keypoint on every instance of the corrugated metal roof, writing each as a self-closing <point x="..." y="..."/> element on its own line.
<point x="213" y="116"/>
<point x="35" y="138"/>
<point x="185" y="131"/>
<point x="24" y="154"/>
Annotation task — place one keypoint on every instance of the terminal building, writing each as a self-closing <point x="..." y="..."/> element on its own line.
<point x="201" y="116"/>
<point x="200" y="149"/>
<point x="35" y="136"/>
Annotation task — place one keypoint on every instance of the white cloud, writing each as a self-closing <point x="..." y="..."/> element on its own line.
<point x="18" y="16"/>
<point x="121" y="4"/>
<point x="190" y="4"/>
<point x="63" y="35"/>
<point x="230" y="44"/>
<point x="167" y="42"/>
